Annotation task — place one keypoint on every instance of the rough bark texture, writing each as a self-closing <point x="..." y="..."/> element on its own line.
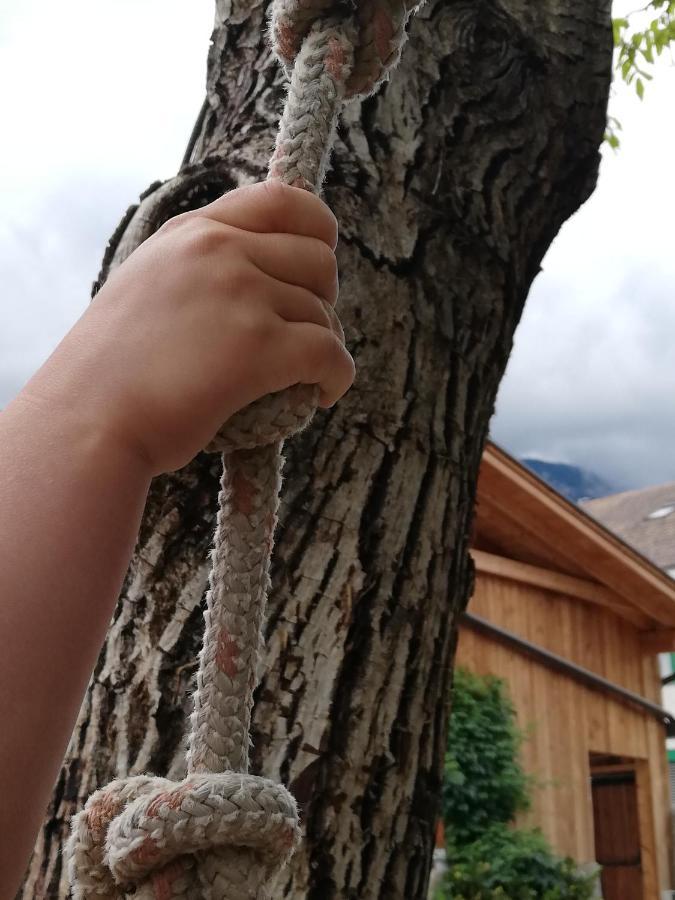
<point x="449" y="186"/>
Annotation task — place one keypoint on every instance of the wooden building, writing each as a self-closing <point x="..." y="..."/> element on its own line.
<point x="573" y="619"/>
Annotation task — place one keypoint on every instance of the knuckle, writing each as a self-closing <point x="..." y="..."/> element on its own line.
<point x="332" y="227"/>
<point x="342" y="360"/>
<point x="325" y="222"/>
<point x="240" y="278"/>
<point x="325" y="350"/>
<point x="310" y="358"/>
<point x="175" y="222"/>
<point x="278" y="193"/>
<point x="259" y="331"/>
<point x="327" y="262"/>
<point x="325" y="313"/>
<point x="202" y="236"/>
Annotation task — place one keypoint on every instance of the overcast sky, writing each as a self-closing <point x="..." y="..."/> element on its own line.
<point x="592" y="378"/>
<point x="99" y="98"/>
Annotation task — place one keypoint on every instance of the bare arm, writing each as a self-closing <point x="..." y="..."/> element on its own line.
<point x="70" y="505"/>
<point x="170" y="348"/>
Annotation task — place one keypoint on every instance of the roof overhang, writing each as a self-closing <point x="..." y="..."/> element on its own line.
<point x="528" y="507"/>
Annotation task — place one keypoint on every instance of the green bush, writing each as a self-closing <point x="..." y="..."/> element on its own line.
<point x="507" y="864"/>
<point x="484" y="782"/>
<point x="484" y="788"/>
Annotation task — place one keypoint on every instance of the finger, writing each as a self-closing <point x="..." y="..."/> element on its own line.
<point x="272" y="206"/>
<point x="302" y="261"/>
<point x="316" y="356"/>
<point x="297" y="304"/>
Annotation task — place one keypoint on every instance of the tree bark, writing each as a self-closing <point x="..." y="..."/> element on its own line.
<point x="449" y="186"/>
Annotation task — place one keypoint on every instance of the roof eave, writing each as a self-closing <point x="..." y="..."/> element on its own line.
<point x="520" y="495"/>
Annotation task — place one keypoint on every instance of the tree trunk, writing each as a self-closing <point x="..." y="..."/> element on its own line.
<point x="449" y="186"/>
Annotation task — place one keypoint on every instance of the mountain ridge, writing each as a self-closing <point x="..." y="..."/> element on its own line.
<point x="573" y="482"/>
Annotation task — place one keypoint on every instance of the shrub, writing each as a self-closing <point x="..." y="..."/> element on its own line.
<point x="507" y="864"/>
<point x="484" y="788"/>
<point x="484" y="782"/>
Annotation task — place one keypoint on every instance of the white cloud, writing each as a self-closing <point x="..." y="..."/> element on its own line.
<point x="592" y="377"/>
<point x="102" y="98"/>
<point x="106" y="85"/>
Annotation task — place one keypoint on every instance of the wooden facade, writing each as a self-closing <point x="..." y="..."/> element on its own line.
<point x="548" y="575"/>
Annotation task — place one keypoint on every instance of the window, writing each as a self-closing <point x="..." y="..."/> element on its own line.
<point x="662" y="512"/>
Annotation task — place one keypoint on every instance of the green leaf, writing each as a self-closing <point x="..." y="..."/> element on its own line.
<point x="632" y="38"/>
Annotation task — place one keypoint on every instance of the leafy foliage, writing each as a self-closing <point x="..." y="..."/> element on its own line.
<point x="637" y="48"/>
<point x="505" y="864"/>
<point x="485" y="787"/>
<point x="639" y="38"/>
<point x="484" y="782"/>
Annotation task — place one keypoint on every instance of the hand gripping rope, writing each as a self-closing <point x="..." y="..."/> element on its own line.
<point x="221" y="834"/>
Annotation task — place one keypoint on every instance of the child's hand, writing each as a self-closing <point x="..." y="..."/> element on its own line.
<point x="221" y="306"/>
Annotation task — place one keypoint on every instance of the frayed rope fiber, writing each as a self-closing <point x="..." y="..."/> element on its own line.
<point x="222" y="834"/>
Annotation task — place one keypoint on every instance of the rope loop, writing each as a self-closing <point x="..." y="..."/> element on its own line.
<point x="268" y="420"/>
<point x="153" y="834"/>
<point x="222" y="834"/>
<point x="275" y="417"/>
<point x="373" y="29"/>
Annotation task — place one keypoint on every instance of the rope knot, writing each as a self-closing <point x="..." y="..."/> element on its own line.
<point x="365" y="37"/>
<point x="151" y="835"/>
<point x="222" y="833"/>
<point x="272" y="418"/>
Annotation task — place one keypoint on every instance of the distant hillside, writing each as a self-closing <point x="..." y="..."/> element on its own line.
<point x="570" y="481"/>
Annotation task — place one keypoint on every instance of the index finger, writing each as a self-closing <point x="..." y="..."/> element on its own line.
<point x="272" y="206"/>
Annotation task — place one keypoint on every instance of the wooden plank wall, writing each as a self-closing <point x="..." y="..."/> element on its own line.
<point x="565" y="720"/>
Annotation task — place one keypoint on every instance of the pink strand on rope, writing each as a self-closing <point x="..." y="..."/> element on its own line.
<point x="222" y="834"/>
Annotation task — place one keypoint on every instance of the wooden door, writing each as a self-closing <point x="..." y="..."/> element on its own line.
<point x="617" y="834"/>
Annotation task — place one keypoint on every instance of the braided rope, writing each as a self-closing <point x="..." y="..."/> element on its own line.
<point x="221" y="834"/>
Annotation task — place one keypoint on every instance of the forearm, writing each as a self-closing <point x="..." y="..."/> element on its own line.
<point x="168" y="350"/>
<point x="70" y="506"/>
